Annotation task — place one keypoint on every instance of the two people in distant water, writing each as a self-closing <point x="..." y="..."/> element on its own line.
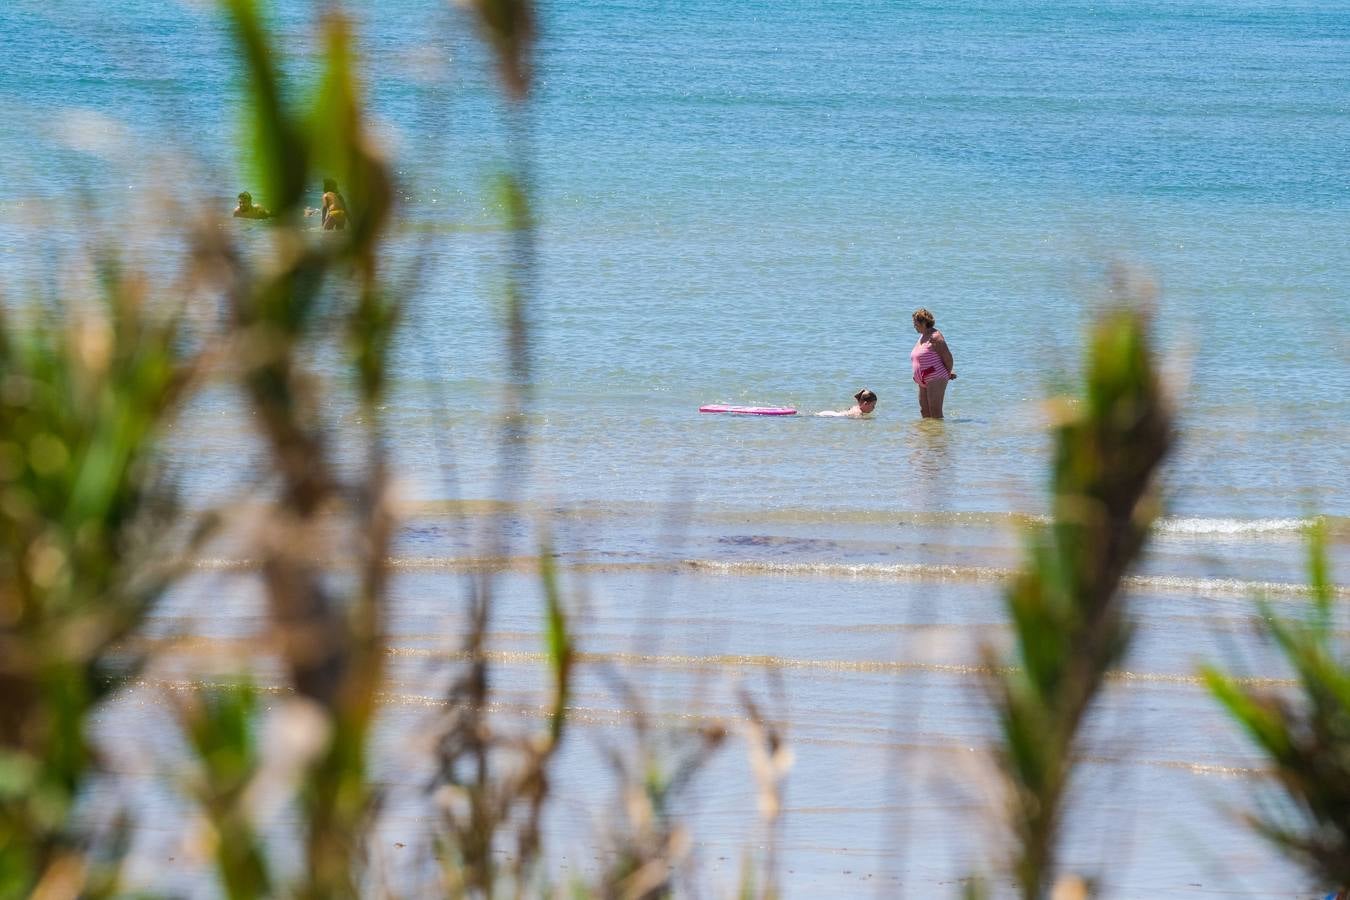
<point x="866" y="401"/>
<point x="932" y="365"/>
<point x="247" y="210"/>
<point x="332" y="212"/>
<point x="931" y="360"/>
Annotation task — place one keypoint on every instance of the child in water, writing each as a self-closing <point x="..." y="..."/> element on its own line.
<point x="867" y="401"/>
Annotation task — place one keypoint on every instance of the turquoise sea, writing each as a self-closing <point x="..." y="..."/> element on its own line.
<point x="743" y="203"/>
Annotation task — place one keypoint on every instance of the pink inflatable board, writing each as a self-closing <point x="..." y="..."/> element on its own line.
<point x="750" y="410"/>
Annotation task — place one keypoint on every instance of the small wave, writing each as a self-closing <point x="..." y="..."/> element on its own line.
<point x="225" y="564"/>
<point x="1233" y="586"/>
<point x="1220" y="526"/>
<point x="924" y="571"/>
<point x="421" y="514"/>
<point x="927" y="572"/>
<point x="760" y="568"/>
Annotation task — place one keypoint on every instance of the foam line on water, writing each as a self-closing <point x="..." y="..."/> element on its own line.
<point x="925" y="572"/>
<point x="1223" y="526"/>
<point x="712" y="514"/>
<point x="755" y="567"/>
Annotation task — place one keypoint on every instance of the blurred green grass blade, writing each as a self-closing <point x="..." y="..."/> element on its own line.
<point x="1305" y="734"/>
<point x="340" y="143"/>
<point x="1264" y="723"/>
<point x="1067" y="616"/>
<point x="88" y="392"/>
<point x="560" y="651"/>
<point x="509" y="28"/>
<point x="1319" y="571"/>
<point x="221" y="723"/>
<point x="334" y="125"/>
<point x="277" y="151"/>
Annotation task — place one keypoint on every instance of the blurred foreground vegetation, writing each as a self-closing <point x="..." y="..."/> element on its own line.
<point x="91" y="537"/>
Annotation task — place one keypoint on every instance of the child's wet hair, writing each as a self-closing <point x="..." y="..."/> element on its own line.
<point x="865" y="396"/>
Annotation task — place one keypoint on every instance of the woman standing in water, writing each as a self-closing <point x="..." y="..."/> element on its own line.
<point x="333" y="212"/>
<point x="932" y="363"/>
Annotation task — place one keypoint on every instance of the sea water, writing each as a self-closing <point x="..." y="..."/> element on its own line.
<point x="743" y="203"/>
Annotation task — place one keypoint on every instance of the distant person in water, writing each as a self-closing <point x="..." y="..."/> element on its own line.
<point x="246" y="209"/>
<point x="867" y="401"/>
<point x="932" y="362"/>
<point x="333" y="211"/>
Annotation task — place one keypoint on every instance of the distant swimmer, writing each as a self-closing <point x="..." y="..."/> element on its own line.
<point x="333" y="212"/>
<point x="867" y="401"/>
<point x="246" y="209"/>
<point x="932" y="362"/>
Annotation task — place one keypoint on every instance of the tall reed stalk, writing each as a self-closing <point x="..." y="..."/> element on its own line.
<point x="1068" y="615"/>
<point x="492" y="784"/>
<point x="330" y="637"/>
<point x="1303" y="733"/>
<point x="90" y="538"/>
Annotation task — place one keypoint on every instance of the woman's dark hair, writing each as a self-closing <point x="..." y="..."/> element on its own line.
<point x="924" y="316"/>
<point x="865" y="396"/>
<point x="329" y="184"/>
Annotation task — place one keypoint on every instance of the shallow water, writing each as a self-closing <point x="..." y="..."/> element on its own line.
<point x="743" y="203"/>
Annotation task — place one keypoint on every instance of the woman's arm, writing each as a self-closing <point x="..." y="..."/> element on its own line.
<point x="944" y="352"/>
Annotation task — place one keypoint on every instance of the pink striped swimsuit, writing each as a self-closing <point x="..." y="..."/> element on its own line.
<point x="927" y="364"/>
